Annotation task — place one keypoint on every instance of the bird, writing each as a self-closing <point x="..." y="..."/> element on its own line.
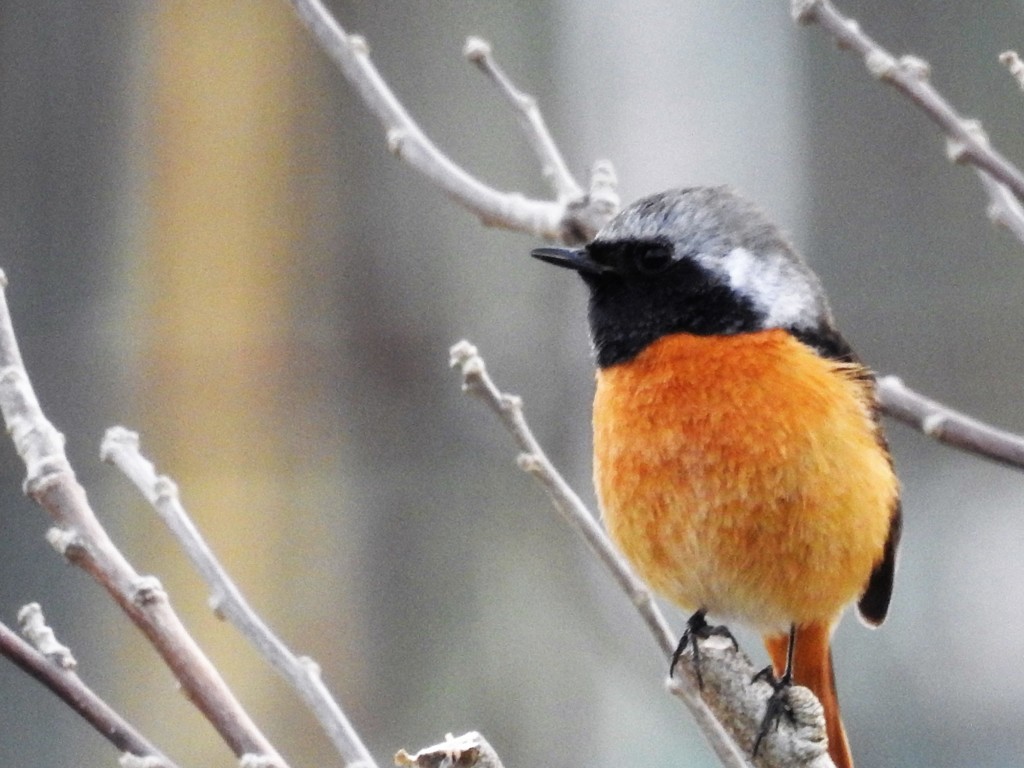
<point x="738" y="457"/>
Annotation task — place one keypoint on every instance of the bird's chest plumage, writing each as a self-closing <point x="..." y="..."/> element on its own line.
<point x="743" y="474"/>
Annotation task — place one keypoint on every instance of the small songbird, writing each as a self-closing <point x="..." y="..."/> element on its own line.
<point x="738" y="458"/>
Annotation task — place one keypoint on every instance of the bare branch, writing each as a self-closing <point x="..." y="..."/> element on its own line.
<point x="532" y="459"/>
<point x="966" y="141"/>
<point x="1014" y="65"/>
<point x="739" y="712"/>
<point x="35" y="629"/>
<point x="553" y="167"/>
<point x="590" y="213"/>
<point x="947" y="425"/>
<point x="470" y="750"/>
<point x="121" y="448"/>
<point x="740" y="705"/>
<point x="552" y="220"/>
<point x="81" y="538"/>
<point x="1003" y="208"/>
<point x="68" y="686"/>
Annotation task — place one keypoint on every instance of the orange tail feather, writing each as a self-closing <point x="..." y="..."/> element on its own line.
<point x="812" y="668"/>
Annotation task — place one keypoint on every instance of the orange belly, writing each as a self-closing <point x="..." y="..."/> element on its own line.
<point x="742" y="474"/>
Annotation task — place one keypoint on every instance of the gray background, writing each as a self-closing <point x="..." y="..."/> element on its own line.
<point x="444" y="594"/>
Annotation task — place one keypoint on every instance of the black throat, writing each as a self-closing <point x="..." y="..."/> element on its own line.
<point x="627" y="315"/>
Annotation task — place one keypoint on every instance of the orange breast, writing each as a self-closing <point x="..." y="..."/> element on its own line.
<point x="742" y="474"/>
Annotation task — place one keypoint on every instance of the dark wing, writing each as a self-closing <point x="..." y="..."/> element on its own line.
<point x="874" y="602"/>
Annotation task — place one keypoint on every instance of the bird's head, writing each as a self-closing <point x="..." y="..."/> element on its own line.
<point x="701" y="260"/>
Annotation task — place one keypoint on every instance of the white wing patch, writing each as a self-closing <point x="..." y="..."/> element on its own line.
<point x="787" y="295"/>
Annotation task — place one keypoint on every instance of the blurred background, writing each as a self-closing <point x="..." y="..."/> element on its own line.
<point x="208" y="242"/>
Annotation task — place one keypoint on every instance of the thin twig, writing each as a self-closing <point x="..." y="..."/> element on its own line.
<point x="1003" y="208"/>
<point x="533" y="460"/>
<point x="947" y="425"/>
<point x="553" y="167"/>
<point x="121" y="448"/>
<point x="966" y="141"/>
<point x="1011" y="60"/>
<point x="70" y="689"/>
<point x="80" y="537"/>
<point x="552" y="220"/>
<point x="42" y="637"/>
<point x="740" y="707"/>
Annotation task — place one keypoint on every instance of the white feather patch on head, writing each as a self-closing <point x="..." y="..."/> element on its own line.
<point x="785" y="292"/>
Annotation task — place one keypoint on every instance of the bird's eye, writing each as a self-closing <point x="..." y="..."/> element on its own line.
<point x="652" y="259"/>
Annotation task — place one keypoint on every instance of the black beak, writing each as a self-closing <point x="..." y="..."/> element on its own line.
<point x="570" y="258"/>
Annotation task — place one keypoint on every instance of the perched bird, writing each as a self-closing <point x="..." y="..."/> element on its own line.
<point x="738" y="458"/>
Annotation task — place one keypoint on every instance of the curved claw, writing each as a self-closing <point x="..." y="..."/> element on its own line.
<point x="697" y="628"/>
<point x="778" y="703"/>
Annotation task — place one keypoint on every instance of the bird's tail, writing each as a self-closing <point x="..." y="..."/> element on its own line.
<point x="812" y="668"/>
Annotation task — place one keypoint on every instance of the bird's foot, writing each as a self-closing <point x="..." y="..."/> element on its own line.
<point x="778" y="703"/>
<point x="697" y="628"/>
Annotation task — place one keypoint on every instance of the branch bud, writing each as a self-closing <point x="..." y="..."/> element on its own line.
<point x="804" y="11"/>
<point x="148" y="590"/>
<point x="915" y="67"/>
<point x="880" y="64"/>
<point x="958" y="149"/>
<point x="476" y="49"/>
<point x="41" y="636"/>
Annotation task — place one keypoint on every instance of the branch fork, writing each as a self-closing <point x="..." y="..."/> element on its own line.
<point x="571" y="217"/>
